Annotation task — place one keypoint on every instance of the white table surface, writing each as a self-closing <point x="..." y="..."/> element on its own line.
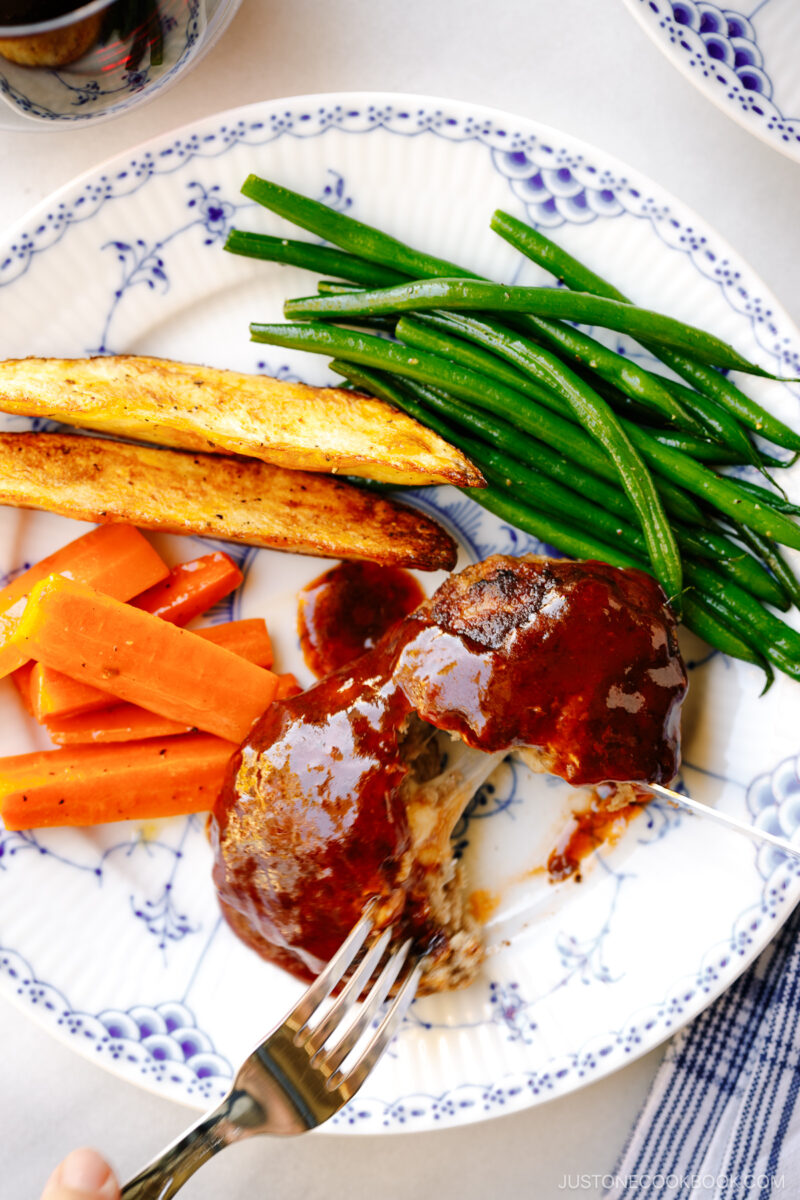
<point x="583" y="66"/>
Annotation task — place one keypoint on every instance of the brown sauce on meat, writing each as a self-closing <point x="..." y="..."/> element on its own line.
<point x="587" y="830"/>
<point x="298" y="870"/>
<point x="577" y="660"/>
<point x="346" y="612"/>
<point x="580" y="659"/>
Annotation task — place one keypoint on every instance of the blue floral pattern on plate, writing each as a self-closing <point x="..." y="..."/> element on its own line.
<point x="723" y="52"/>
<point x="141" y="222"/>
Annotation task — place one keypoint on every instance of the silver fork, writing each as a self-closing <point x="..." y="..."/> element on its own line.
<point x="720" y="818"/>
<point x="298" y="1077"/>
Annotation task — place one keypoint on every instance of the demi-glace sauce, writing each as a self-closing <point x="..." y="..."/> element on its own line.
<point x="346" y="612"/>
<point x="578" y="661"/>
<point x="587" y="830"/>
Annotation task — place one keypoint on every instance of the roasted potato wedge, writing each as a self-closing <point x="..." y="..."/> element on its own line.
<point x="200" y="408"/>
<point x="237" y="500"/>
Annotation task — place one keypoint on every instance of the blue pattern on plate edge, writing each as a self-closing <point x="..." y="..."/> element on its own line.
<point x="721" y="45"/>
<point x="161" y="1042"/>
<point x="556" y="185"/>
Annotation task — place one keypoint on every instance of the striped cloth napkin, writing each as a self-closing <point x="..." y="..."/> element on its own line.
<point x="722" y="1119"/>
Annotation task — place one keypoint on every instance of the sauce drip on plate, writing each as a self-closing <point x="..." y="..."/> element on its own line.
<point x="587" y="830"/>
<point x="346" y="611"/>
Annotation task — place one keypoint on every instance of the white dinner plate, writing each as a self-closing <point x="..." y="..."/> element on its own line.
<point x="744" y="59"/>
<point x="111" y="937"/>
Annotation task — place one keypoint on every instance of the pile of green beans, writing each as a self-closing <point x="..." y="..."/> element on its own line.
<point x="579" y="445"/>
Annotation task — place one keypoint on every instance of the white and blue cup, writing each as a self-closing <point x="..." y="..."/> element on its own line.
<point x="63" y="64"/>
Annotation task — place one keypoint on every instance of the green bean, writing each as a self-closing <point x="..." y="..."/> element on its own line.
<point x="727" y="495"/>
<point x="718" y="421"/>
<point x="540" y="250"/>
<point x="343" y="230"/>
<point x="613" y="368"/>
<point x="565" y="470"/>
<point x="769" y="552"/>
<point x="416" y="264"/>
<point x="378" y="247"/>
<point x="581" y="504"/>
<point x="500" y="470"/>
<point x="504" y="475"/>
<point x="710" y="451"/>
<point x="717" y="387"/>
<point x="563" y="266"/>
<point x="703" y="449"/>
<point x="734" y="562"/>
<point x="470" y="385"/>
<point x="435" y="332"/>
<point x="335" y="287"/>
<point x="324" y="259"/>
<point x="549" y="529"/>
<point x="746" y="503"/>
<point x="419" y="331"/>
<point x="779" y="643"/>
<point x="761" y="495"/>
<point x="601" y="422"/>
<point x="710" y="619"/>
<point x="714" y="624"/>
<point x="477" y="294"/>
<point x="708" y="412"/>
<point x="500" y="452"/>
<point x="736" y="446"/>
<point x="439" y="334"/>
<point x="492" y="431"/>
<point x="503" y="470"/>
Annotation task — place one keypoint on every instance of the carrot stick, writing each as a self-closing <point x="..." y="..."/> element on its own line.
<point x="55" y="696"/>
<point x="122" y="723"/>
<point x="142" y="659"/>
<point x="22" y="681"/>
<point x="129" y="722"/>
<point x="113" y="558"/>
<point x="191" y="588"/>
<point x="90" y="784"/>
<point x="247" y="638"/>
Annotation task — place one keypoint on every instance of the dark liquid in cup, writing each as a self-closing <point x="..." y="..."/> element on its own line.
<point x="28" y="12"/>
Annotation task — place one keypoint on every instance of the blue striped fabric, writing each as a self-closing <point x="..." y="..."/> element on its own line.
<point x="722" y="1119"/>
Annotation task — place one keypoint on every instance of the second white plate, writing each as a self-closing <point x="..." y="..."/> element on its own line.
<point x="743" y="59"/>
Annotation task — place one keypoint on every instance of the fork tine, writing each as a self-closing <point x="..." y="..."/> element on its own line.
<point x="329" y="1060"/>
<point x="328" y="978"/>
<point x="280" y="1088"/>
<point x="346" y="998"/>
<point x="353" y="1079"/>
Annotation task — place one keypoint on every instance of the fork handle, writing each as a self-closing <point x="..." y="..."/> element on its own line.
<point x="165" y="1175"/>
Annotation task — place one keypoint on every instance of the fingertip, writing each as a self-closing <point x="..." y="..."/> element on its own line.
<point x="83" y="1175"/>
